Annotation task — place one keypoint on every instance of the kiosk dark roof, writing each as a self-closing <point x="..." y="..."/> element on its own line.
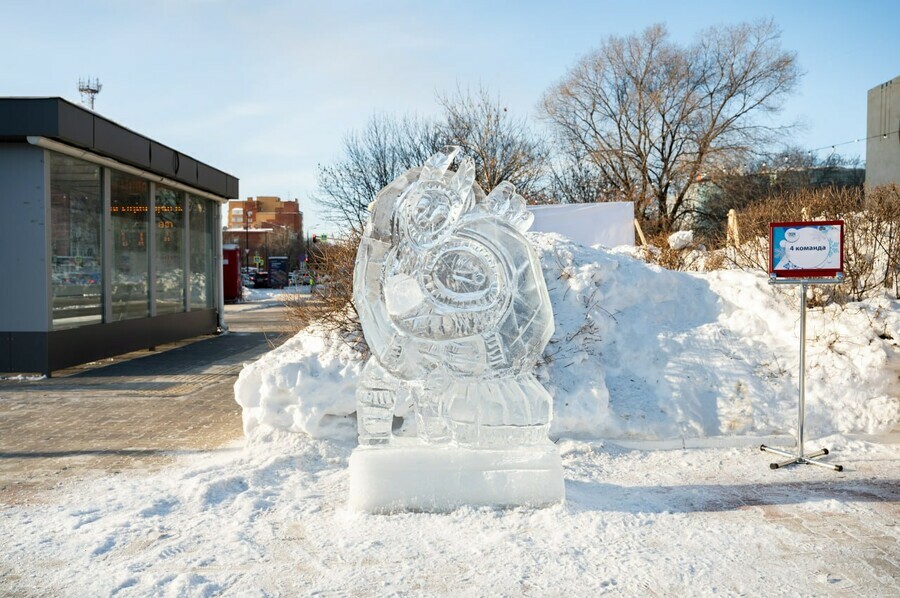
<point x="61" y="120"/>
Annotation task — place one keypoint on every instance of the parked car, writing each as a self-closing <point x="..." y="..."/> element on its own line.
<point x="260" y="280"/>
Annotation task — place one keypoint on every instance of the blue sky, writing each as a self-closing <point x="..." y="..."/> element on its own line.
<point x="266" y="90"/>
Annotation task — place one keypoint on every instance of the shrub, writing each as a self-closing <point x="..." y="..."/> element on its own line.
<point x="331" y="302"/>
<point x="693" y="258"/>
<point x="871" y="234"/>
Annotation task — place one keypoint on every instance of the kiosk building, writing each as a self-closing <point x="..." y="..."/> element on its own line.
<point x="109" y="240"/>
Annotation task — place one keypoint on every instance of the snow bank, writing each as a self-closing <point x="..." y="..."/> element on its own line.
<point x="641" y="352"/>
<point x="645" y="352"/>
<point x="253" y="295"/>
<point x="306" y="385"/>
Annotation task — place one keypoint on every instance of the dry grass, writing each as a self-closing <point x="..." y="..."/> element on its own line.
<point x="694" y="258"/>
<point x="871" y="235"/>
<point x="330" y="305"/>
<point x="871" y="239"/>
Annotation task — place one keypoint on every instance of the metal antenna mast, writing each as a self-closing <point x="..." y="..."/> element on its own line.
<point x="89" y="89"/>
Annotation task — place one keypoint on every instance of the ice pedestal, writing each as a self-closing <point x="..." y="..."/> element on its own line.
<point x="409" y="475"/>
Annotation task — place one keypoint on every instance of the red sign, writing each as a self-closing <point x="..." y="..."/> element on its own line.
<point x="806" y="249"/>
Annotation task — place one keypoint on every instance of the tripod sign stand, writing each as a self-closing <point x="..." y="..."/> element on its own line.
<point x="799" y="251"/>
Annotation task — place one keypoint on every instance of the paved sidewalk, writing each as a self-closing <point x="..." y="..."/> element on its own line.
<point x="134" y="411"/>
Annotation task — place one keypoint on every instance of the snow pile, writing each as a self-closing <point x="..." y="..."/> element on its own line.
<point x="24" y="377"/>
<point x="306" y="385"/>
<point x="681" y="239"/>
<point x="254" y="295"/>
<point x="645" y="352"/>
<point x="642" y="352"/>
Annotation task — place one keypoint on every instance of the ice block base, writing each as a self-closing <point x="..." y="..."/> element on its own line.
<point x="408" y="475"/>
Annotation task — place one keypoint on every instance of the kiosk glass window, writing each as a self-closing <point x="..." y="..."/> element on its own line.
<point x="203" y="293"/>
<point x="169" y="250"/>
<point x="130" y="219"/>
<point x="76" y="224"/>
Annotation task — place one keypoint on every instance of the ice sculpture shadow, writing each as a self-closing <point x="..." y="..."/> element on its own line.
<point x="698" y="498"/>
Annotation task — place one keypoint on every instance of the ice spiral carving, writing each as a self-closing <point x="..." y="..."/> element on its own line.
<point x="455" y="310"/>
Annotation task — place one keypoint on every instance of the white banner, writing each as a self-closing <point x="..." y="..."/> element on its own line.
<point x="608" y="224"/>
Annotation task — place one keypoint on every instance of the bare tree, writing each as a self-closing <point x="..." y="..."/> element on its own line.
<point x="504" y="147"/>
<point x="284" y="241"/>
<point x="372" y="158"/>
<point x="653" y="116"/>
<point x="788" y="171"/>
<point x="331" y="304"/>
<point x="574" y="178"/>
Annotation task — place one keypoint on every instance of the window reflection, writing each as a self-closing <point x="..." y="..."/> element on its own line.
<point x="130" y="218"/>
<point x="202" y="263"/>
<point x="169" y="250"/>
<point x="76" y="234"/>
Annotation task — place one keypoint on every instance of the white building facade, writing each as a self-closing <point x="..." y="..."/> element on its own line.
<point x="883" y="132"/>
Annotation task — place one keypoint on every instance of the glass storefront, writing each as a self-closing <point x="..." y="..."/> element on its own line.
<point x="76" y="263"/>
<point x="169" y="250"/>
<point x="77" y="235"/>
<point x="202" y="263"/>
<point x="130" y="219"/>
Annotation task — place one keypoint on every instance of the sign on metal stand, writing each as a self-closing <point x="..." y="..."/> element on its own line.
<point x="804" y="254"/>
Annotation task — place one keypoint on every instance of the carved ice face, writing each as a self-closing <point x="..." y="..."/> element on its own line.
<point x="457" y="288"/>
<point x="430" y="211"/>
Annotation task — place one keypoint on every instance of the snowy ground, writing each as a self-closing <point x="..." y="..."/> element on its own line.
<point x="270" y="519"/>
<point x="253" y="295"/>
<point x="640" y="354"/>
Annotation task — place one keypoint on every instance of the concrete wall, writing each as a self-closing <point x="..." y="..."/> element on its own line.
<point x="883" y="129"/>
<point x="24" y="221"/>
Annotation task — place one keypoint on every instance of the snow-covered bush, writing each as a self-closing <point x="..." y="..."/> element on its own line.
<point x="681" y="239"/>
<point x="678" y="251"/>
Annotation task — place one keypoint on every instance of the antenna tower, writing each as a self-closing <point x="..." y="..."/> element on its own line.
<point x="89" y="89"/>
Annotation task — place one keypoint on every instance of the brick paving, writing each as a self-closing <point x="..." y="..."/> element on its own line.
<point x="845" y="554"/>
<point x="133" y="411"/>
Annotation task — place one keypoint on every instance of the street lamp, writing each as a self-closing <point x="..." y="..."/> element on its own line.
<point x="247" y="215"/>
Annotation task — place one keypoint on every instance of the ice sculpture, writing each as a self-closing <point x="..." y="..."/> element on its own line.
<point x="455" y="311"/>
